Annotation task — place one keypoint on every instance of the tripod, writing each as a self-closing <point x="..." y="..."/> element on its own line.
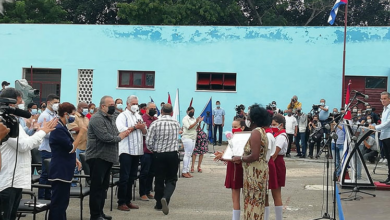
<point x="357" y="151"/>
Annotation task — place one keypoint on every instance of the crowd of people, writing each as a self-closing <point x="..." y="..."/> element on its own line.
<point x="129" y="134"/>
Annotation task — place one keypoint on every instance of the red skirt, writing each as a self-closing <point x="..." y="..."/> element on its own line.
<point x="280" y="170"/>
<point x="234" y="176"/>
<point x="272" y="176"/>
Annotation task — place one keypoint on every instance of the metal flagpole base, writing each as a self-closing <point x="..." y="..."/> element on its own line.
<point x="325" y="216"/>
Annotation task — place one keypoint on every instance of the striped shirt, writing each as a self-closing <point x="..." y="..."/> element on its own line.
<point x="163" y="135"/>
<point x="132" y="144"/>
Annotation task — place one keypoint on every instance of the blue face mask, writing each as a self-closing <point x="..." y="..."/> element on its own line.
<point x="34" y="111"/>
<point x="91" y="111"/>
<point x="218" y="106"/>
<point x="85" y="111"/>
<point x="39" y="111"/>
<point x="70" y="119"/>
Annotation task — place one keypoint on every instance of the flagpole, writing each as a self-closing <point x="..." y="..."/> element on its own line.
<point x="344" y="52"/>
<point x="178" y="101"/>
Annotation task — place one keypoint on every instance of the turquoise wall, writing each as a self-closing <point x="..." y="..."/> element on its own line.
<point x="272" y="63"/>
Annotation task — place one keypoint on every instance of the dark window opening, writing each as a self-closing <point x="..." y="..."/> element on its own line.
<point x="376" y="82"/>
<point x="136" y="79"/>
<point x="216" y="81"/>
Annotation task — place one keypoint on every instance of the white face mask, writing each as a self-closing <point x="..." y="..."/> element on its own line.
<point x="369" y="120"/>
<point x="134" y="108"/>
<point x="119" y="106"/>
<point x="247" y="123"/>
<point x="6" y="87"/>
<point x="55" y="107"/>
<point x="322" y="103"/>
<point x="21" y="106"/>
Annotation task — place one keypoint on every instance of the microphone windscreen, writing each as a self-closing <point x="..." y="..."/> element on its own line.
<point x="22" y="113"/>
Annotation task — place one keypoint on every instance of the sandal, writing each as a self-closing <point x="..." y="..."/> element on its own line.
<point x="199" y="170"/>
<point x="192" y="170"/>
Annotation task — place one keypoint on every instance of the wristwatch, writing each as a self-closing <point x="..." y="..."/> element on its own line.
<point x="134" y="128"/>
<point x="241" y="159"/>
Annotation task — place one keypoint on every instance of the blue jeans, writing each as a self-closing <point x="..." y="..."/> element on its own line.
<point x="44" y="193"/>
<point x="301" y="136"/>
<point x="146" y="174"/>
<point x="337" y="151"/>
<point x="76" y="171"/>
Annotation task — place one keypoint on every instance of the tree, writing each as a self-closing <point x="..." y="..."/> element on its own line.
<point x="182" y="12"/>
<point x="33" y="11"/>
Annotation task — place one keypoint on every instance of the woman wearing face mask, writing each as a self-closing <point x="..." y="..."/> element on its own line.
<point x="118" y="108"/>
<point x="255" y="163"/>
<point x="91" y="110"/>
<point x="188" y="138"/>
<point x="281" y="142"/>
<point x="63" y="161"/>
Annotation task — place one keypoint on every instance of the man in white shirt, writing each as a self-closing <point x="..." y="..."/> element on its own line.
<point x="130" y="149"/>
<point x="291" y="129"/>
<point x="14" y="179"/>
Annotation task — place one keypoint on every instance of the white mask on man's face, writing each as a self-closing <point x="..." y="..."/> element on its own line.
<point x="21" y="106"/>
<point x="55" y="106"/>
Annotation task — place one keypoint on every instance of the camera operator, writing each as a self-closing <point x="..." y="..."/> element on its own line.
<point x="324" y="114"/>
<point x="301" y="134"/>
<point x="316" y="133"/>
<point x="240" y="112"/>
<point x="14" y="178"/>
<point x="3" y="133"/>
<point x="294" y="104"/>
<point x="275" y="109"/>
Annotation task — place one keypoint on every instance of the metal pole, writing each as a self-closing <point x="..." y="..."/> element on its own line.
<point x="345" y="46"/>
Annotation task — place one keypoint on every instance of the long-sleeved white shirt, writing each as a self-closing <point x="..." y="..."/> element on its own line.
<point x="384" y="127"/>
<point x="132" y="144"/>
<point x="23" y="166"/>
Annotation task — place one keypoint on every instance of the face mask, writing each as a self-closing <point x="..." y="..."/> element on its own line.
<point x="275" y="129"/>
<point x="354" y="110"/>
<point x="152" y="112"/>
<point x="134" y="108"/>
<point x="70" y="119"/>
<point x="335" y="113"/>
<point x="111" y="110"/>
<point x="289" y="114"/>
<point x="234" y="130"/>
<point x="359" y="114"/>
<point x="247" y="123"/>
<point x="21" y="106"/>
<point x="218" y="106"/>
<point x="91" y="110"/>
<point x="6" y="87"/>
<point x="34" y="111"/>
<point x="85" y="111"/>
<point x="119" y="106"/>
<point x="39" y="111"/>
<point x="368" y="109"/>
<point x="369" y="120"/>
<point x="191" y="114"/>
<point x="55" y="107"/>
<point x="322" y="103"/>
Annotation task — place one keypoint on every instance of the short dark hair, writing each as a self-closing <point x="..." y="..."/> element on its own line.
<point x="66" y="107"/>
<point x="5" y="83"/>
<point x="51" y="97"/>
<point x="218" y="102"/>
<point x="142" y="105"/>
<point x="11" y="93"/>
<point x="30" y="105"/>
<point x="91" y="104"/>
<point x="162" y="103"/>
<point x="279" y="119"/>
<point x="190" y="108"/>
<point x="259" y="116"/>
<point x="167" y="109"/>
<point x="342" y="109"/>
<point x="118" y="100"/>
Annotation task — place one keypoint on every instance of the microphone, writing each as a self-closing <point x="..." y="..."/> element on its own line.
<point x="327" y="127"/>
<point x="361" y="94"/>
<point x="360" y="101"/>
<point x="22" y="113"/>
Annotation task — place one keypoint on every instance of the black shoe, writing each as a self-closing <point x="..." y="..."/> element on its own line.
<point x="157" y="208"/>
<point x="298" y="155"/>
<point x="302" y="156"/>
<point x="100" y="218"/>
<point x="165" y="207"/>
<point x="311" y="156"/>
<point x="107" y="217"/>
<point x="288" y="155"/>
<point x="386" y="181"/>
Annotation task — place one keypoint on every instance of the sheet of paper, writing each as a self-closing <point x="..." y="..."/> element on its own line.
<point x="236" y="145"/>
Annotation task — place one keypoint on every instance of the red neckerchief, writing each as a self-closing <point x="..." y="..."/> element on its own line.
<point x="279" y="132"/>
<point x="268" y="130"/>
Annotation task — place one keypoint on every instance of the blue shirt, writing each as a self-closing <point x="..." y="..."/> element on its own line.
<point x="218" y="113"/>
<point x="48" y="115"/>
<point x="340" y="135"/>
<point x="324" y="115"/>
<point x="384" y="127"/>
<point x="28" y="131"/>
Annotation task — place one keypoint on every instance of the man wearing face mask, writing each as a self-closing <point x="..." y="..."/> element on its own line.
<point x="218" y="122"/>
<point x="80" y="121"/>
<point x="147" y="171"/>
<point x="23" y="121"/>
<point x="291" y="129"/>
<point x="323" y="115"/>
<point x="130" y="150"/>
<point x="101" y="154"/>
<point x="4" y="85"/>
<point x="53" y="102"/>
<point x="118" y="108"/>
<point x="301" y="134"/>
<point x="370" y="111"/>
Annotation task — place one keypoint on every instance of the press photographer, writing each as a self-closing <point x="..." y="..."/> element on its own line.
<point x="316" y="134"/>
<point x="240" y="112"/>
<point x="15" y="173"/>
<point x="323" y="115"/>
<point x="294" y="104"/>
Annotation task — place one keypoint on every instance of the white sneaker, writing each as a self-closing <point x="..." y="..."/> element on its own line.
<point x="381" y="160"/>
<point x="384" y="161"/>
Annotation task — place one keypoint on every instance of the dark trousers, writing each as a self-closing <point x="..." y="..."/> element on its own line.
<point x="9" y="203"/>
<point x="386" y="149"/>
<point x="166" y="166"/>
<point x="127" y="175"/>
<point x="146" y="175"/>
<point x="311" y="147"/>
<point x="301" y="137"/>
<point x="290" y="140"/>
<point x="60" y="193"/>
<point x="42" y="192"/>
<point x="100" y="179"/>
<point x="219" y="127"/>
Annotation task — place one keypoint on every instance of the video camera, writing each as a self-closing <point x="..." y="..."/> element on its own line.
<point x="239" y="108"/>
<point x="7" y="117"/>
<point x="28" y="91"/>
<point x="315" y="109"/>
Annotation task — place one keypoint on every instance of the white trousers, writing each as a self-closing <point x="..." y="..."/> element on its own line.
<point x="189" y="146"/>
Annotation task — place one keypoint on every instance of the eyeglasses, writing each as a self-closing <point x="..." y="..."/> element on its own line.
<point x="383" y="99"/>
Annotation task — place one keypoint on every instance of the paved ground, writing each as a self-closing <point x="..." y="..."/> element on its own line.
<point x="204" y="196"/>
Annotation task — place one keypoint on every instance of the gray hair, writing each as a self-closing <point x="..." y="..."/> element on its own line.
<point x="103" y="100"/>
<point x="386" y="93"/>
<point x="131" y="97"/>
<point x="149" y="103"/>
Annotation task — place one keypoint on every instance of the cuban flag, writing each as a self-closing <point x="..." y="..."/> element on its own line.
<point x="333" y="12"/>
